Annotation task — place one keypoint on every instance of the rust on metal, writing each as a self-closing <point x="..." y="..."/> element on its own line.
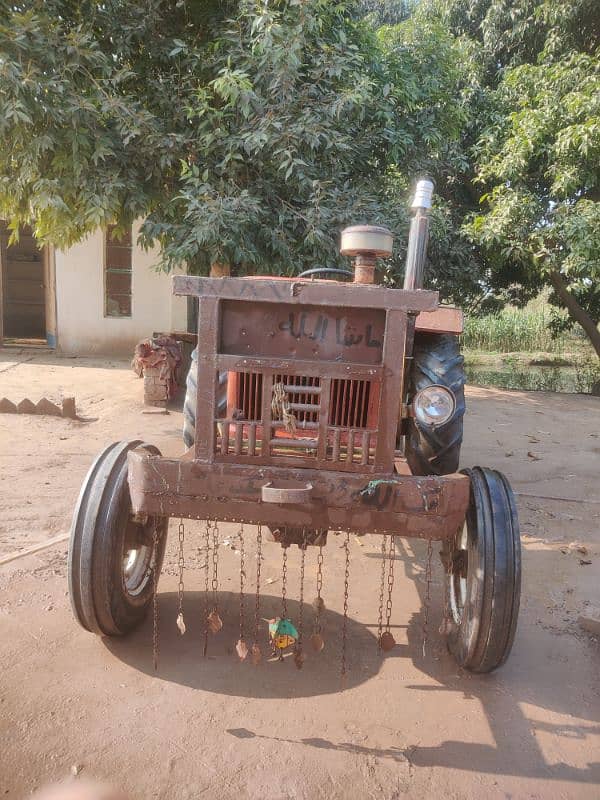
<point x="340" y="501"/>
<point x="444" y="319"/>
<point x="306" y="441"/>
<point x="305" y="292"/>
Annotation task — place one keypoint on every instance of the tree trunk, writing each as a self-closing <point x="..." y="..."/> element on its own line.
<point x="576" y="312"/>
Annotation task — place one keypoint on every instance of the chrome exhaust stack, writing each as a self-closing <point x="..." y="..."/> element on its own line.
<point x="418" y="235"/>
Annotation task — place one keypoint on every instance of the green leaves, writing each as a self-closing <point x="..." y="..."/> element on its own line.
<point x="239" y="131"/>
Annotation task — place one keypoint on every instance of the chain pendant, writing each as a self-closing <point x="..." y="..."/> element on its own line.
<point x="381" y="591"/>
<point x="275" y="624"/>
<point x="299" y="656"/>
<point x="316" y="640"/>
<point x="387" y="641"/>
<point x="180" y="588"/>
<point x="241" y="646"/>
<point x="155" y="597"/>
<point x="214" y="620"/>
<point x="446" y="623"/>
<point x="255" y="653"/>
<point x="427" y="603"/>
<point x="346" y="547"/>
<point x="206" y="584"/>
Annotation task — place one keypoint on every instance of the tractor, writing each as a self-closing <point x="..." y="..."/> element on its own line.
<point x="318" y="404"/>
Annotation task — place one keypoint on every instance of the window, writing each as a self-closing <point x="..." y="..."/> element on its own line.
<point x="117" y="274"/>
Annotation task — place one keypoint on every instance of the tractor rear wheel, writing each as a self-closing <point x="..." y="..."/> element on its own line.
<point x="436" y="361"/>
<point x="191" y="397"/>
<point x="483" y="569"/>
<point x="112" y="553"/>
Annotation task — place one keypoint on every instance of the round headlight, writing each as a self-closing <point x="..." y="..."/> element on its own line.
<point x="434" y="405"/>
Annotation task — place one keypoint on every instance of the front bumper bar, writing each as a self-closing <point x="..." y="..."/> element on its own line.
<point x="404" y="505"/>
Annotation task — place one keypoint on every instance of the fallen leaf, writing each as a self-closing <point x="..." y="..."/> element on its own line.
<point x="508" y="455"/>
<point x="584" y="561"/>
<point x="532" y="456"/>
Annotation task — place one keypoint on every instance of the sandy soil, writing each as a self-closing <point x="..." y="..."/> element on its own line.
<point x="405" y="726"/>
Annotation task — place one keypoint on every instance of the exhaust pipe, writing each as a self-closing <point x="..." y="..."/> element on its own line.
<point x="418" y="236"/>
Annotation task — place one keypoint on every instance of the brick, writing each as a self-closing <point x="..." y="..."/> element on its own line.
<point x="26" y="406"/>
<point x="7" y="406"/>
<point x="44" y="406"/>
<point x="590" y="623"/>
<point x="68" y="407"/>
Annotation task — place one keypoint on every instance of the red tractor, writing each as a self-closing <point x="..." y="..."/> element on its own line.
<point x="313" y="405"/>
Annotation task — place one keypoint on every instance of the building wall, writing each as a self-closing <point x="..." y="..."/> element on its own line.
<point x="82" y="328"/>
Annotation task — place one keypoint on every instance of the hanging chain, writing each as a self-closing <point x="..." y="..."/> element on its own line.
<point x="206" y="583"/>
<point x="155" y="596"/>
<point x="346" y="546"/>
<point x="255" y="650"/>
<point x="299" y="655"/>
<point x="242" y="579"/>
<point x="427" y="594"/>
<point x="215" y="563"/>
<point x="214" y="621"/>
<point x="180" y="588"/>
<point x="381" y="590"/>
<point x="446" y="623"/>
<point x="316" y="640"/>
<point x="319" y="601"/>
<point x="284" y="609"/>
<point x="390" y="584"/>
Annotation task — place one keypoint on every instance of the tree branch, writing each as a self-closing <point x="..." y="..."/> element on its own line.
<point x="576" y="312"/>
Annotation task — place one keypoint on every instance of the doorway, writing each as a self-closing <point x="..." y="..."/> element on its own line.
<point x="23" y="285"/>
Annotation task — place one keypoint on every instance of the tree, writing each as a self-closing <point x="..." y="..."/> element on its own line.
<point x="239" y="131"/>
<point x="533" y="143"/>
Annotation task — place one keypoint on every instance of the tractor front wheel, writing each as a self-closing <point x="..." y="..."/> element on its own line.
<point x="483" y="575"/>
<point x="113" y="554"/>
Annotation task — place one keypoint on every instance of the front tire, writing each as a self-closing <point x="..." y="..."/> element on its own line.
<point x="436" y="361"/>
<point x="483" y="575"/>
<point x="112" y="557"/>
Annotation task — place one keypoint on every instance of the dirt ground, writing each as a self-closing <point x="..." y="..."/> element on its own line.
<point x="403" y="726"/>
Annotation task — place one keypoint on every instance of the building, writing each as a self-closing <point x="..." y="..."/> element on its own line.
<point x="102" y="295"/>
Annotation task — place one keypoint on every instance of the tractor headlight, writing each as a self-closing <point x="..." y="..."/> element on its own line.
<point x="434" y="405"/>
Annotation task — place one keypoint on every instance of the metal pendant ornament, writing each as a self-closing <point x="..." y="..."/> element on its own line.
<point x="386" y="639"/>
<point x="213" y="620"/>
<point x="299" y="656"/>
<point x="180" y="563"/>
<point x="255" y="652"/>
<point x="316" y="640"/>
<point x="241" y="648"/>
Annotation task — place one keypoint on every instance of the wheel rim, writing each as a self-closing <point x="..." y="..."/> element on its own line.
<point x="137" y="554"/>
<point x="458" y="576"/>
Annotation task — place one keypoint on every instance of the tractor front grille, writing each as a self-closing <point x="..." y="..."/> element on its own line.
<point x="345" y="441"/>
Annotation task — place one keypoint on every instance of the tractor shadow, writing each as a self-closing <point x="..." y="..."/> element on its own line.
<point x="181" y="658"/>
<point x="544" y="673"/>
<point x="544" y="677"/>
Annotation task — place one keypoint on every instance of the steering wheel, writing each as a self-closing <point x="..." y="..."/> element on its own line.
<point x="308" y="273"/>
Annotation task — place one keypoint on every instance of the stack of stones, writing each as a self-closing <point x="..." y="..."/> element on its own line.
<point x="156" y="390"/>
